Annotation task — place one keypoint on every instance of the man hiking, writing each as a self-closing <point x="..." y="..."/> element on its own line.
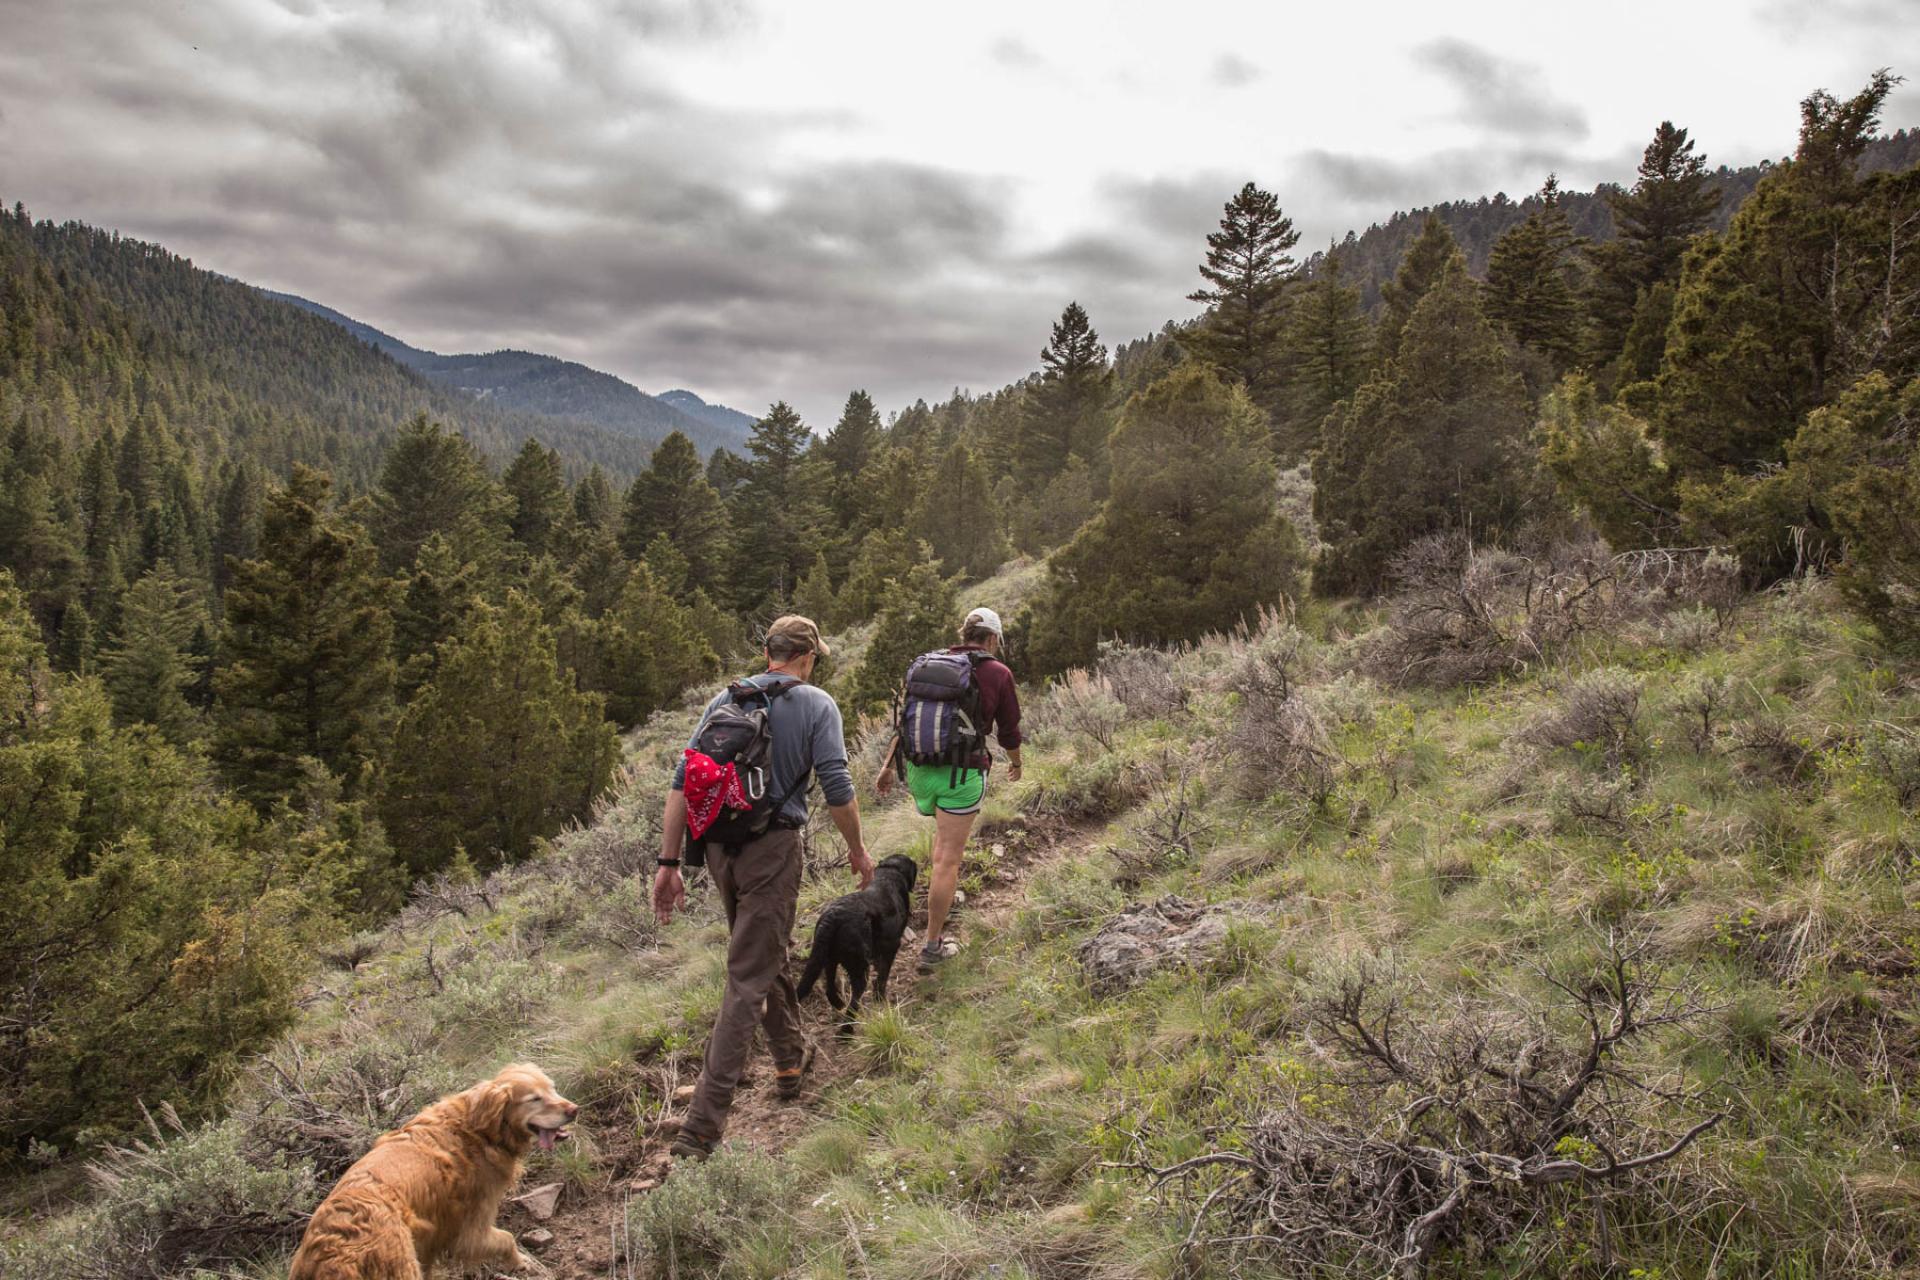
<point x="740" y="791"/>
<point x="951" y="791"/>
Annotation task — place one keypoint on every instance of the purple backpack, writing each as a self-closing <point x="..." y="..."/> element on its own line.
<point x="939" y="717"/>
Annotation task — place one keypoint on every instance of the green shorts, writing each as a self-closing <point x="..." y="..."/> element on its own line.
<point x="936" y="786"/>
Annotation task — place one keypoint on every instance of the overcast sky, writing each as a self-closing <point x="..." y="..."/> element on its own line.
<point x="763" y="199"/>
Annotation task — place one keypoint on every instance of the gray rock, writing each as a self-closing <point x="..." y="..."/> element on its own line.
<point x="541" y="1201"/>
<point x="1146" y="938"/>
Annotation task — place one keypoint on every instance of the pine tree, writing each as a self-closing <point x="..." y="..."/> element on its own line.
<point x="1670" y="204"/>
<point x="919" y="615"/>
<point x="594" y="506"/>
<point x="776" y="517"/>
<point x="1436" y="439"/>
<point x="814" y="597"/>
<point x="853" y="439"/>
<point x="149" y="669"/>
<point x="1064" y="408"/>
<point x="500" y="750"/>
<point x="957" y="517"/>
<point x="1530" y="291"/>
<point x="884" y="555"/>
<point x="536" y="485"/>
<point x="435" y="597"/>
<point x="646" y="649"/>
<point x="672" y="498"/>
<point x="1427" y="259"/>
<point x="238" y="534"/>
<point x="1329" y="347"/>
<point x="1247" y="270"/>
<point x="1039" y="522"/>
<point x="306" y="671"/>
<point x="433" y="481"/>
<point x="1815" y="284"/>
<point x="1189" y="540"/>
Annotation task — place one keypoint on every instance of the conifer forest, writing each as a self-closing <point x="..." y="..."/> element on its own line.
<point x="1472" y="667"/>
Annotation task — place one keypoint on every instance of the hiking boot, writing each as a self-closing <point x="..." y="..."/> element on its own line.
<point x="790" y="1081"/>
<point x="937" y="951"/>
<point x="691" y="1147"/>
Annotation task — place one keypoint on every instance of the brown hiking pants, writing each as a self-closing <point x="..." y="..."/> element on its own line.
<point x="760" y="886"/>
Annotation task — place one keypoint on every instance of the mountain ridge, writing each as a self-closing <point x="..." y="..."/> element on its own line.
<point x="536" y="383"/>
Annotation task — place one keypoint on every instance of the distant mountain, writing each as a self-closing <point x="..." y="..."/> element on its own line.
<point x="1369" y="258"/>
<point x="719" y="415"/>
<point x="528" y="382"/>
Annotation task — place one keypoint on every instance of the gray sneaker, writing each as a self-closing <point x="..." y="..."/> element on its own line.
<point x="937" y="951"/>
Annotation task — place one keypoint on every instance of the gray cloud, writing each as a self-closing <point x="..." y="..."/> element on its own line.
<point x="1500" y="95"/>
<point x="1231" y="71"/>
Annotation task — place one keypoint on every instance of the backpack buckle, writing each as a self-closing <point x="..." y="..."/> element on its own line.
<point x="756" y="781"/>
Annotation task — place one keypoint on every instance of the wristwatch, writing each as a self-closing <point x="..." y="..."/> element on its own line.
<point x="667" y="862"/>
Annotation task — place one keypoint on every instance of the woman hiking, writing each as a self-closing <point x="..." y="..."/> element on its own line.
<point x="950" y="791"/>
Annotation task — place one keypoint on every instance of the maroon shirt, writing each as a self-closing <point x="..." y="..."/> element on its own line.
<point x="999" y="704"/>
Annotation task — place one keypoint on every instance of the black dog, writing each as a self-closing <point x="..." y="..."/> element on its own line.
<point x="860" y="930"/>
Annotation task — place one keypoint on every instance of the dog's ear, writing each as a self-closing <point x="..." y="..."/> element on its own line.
<point x="487" y="1110"/>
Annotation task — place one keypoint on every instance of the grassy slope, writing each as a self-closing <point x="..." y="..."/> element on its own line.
<point x="1770" y="861"/>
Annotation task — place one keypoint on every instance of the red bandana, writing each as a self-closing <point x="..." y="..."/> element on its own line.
<point x="708" y="786"/>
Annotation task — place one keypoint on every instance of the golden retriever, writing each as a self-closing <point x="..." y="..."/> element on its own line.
<point x="431" y="1188"/>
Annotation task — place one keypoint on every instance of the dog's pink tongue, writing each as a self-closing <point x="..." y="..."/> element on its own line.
<point x="546" y="1138"/>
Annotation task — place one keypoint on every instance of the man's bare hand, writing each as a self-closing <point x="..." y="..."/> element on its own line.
<point x="884" y="783"/>
<point x="862" y="866"/>
<point x="669" y="892"/>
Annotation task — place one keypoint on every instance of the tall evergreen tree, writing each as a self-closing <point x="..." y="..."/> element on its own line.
<point x="1064" y="409"/>
<point x="1329" y="347"/>
<point x="1436" y="439"/>
<point x="150" y="669"/>
<point x="306" y="670"/>
<point x="1670" y="204"/>
<point x="237" y="536"/>
<point x="673" y="499"/>
<point x="918" y="614"/>
<point x="1247" y="270"/>
<point x="646" y="649"/>
<point x="1815" y="284"/>
<point x="500" y="750"/>
<point x="777" y="517"/>
<point x="1189" y="540"/>
<point x="1530" y="291"/>
<point x="435" y="597"/>
<point x="433" y="481"/>
<point x="536" y="486"/>
<point x="1427" y="259"/>
<point x="594" y="506"/>
<point x="957" y="517"/>
<point x="853" y="439"/>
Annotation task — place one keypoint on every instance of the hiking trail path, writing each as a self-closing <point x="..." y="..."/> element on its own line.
<point x="588" y="1224"/>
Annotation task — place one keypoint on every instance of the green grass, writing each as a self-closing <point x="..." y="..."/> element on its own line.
<point x="982" y="1135"/>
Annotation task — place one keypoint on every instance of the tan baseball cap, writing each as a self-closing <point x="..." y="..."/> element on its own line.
<point x="795" y="627"/>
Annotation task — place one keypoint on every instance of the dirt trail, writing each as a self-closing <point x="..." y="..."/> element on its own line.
<point x="588" y="1226"/>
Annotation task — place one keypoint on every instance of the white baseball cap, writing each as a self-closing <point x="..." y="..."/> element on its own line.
<point x="983" y="617"/>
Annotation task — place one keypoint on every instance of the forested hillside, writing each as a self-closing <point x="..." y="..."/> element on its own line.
<point x="1471" y="811"/>
<point x="526" y="382"/>
<point x="1369" y="258"/>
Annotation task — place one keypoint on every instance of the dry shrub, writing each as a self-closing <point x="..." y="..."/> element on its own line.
<point x="1703" y="702"/>
<point x="1276" y="741"/>
<point x="1769" y="750"/>
<point x="1170" y="837"/>
<point x="1082" y="704"/>
<point x="1892" y="754"/>
<point x="1455" y="1131"/>
<point x="1598" y="714"/>
<point x="1463" y="613"/>
<point x="1142" y="680"/>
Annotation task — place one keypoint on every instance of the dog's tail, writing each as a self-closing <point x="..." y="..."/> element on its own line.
<point x="818" y="962"/>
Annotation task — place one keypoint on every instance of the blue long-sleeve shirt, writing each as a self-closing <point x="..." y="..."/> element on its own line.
<point x="807" y="735"/>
